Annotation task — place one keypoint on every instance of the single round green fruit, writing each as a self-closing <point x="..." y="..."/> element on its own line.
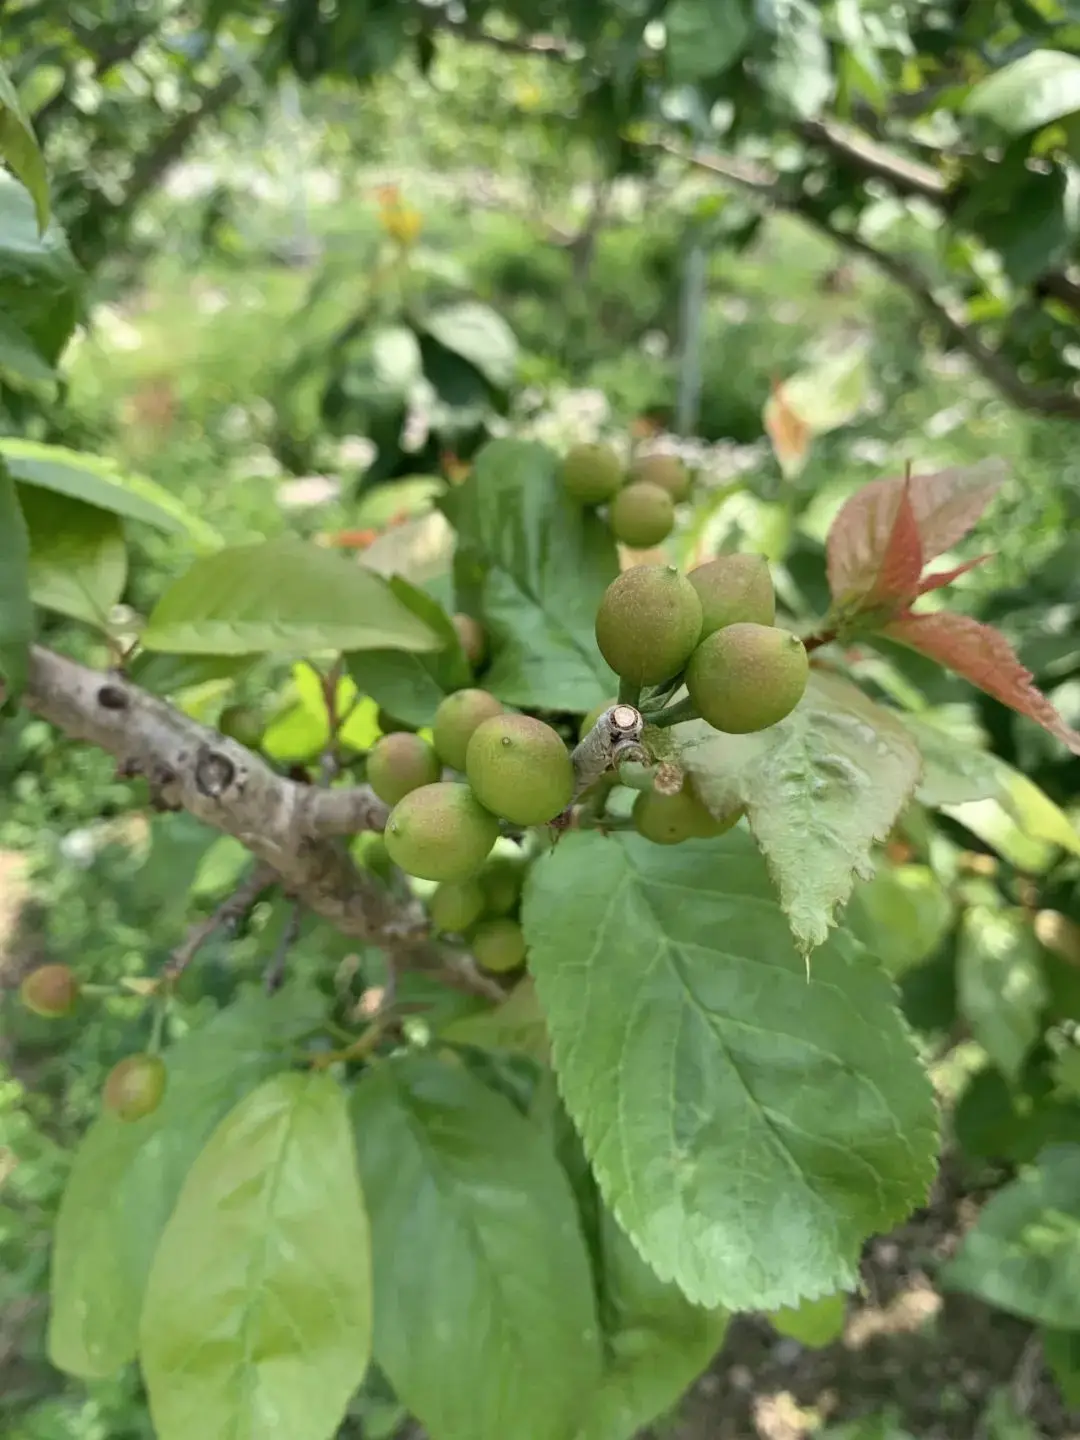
<point x="591" y="474"/>
<point x="670" y="819"/>
<point x="520" y="769"/>
<point x="242" y="723"/>
<point x="472" y="637"/>
<point x="440" y="832"/>
<point x="498" y="945"/>
<point x="456" y="905"/>
<point x="134" y="1086"/>
<point x="734" y="589"/>
<point x="667" y="471"/>
<point x="399" y="763"/>
<point x="747" y="677"/>
<point x="648" y="623"/>
<point x="390" y="725"/>
<point x="642" y="515"/>
<point x="594" y="715"/>
<point x="456" y="719"/>
<point x="51" y="991"/>
<point x="502" y="881"/>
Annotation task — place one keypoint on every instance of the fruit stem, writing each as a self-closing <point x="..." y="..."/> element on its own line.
<point x="674" y="714"/>
<point x="629" y="692"/>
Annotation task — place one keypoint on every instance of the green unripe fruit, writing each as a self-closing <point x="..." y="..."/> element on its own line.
<point x="667" y="471"/>
<point x="502" y="880"/>
<point x="376" y="857"/>
<point x="440" y="832"/>
<point x="747" y="677"/>
<point x="456" y="719"/>
<point x="670" y="819"/>
<point x="648" y="623"/>
<point x="499" y="945"/>
<point x="471" y="637"/>
<point x="134" y="1087"/>
<point x="242" y="723"/>
<point x="642" y="515"/>
<point x="591" y="474"/>
<point x="520" y="769"/>
<point x="734" y="589"/>
<point x="51" y="991"/>
<point x="456" y="905"/>
<point x="399" y="763"/>
<point x="594" y="715"/>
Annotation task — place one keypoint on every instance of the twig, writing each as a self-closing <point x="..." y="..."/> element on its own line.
<point x="275" y="971"/>
<point x="615" y="737"/>
<point x="226" y="917"/>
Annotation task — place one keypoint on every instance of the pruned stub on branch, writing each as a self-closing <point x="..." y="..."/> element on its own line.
<point x="613" y="740"/>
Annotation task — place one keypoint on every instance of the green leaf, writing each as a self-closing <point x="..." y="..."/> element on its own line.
<point x="479" y="335"/>
<point x="902" y="914"/>
<point x="533" y="567"/>
<point x="1019" y="821"/>
<point x="1062" y="1351"/>
<point x="1042" y="86"/>
<point x="655" y="1342"/>
<point x="171" y="674"/>
<point x="19" y="147"/>
<point x="40" y="284"/>
<point x="78" y="559"/>
<point x="516" y="1024"/>
<point x="283" y="596"/>
<point x="257" y="1319"/>
<point x="748" y="1125"/>
<point x="126" y="1177"/>
<point x="800" y="75"/>
<point x="956" y="767"/>
<point x="814" y="1323"/>
<point x="18" y="355"/>
<point x="703" y="41"/>
<point x="410" y="687"/>
<point x="486" y="1325"/>
<point x="1023" y="1254"/>
<point x="98" y="482"/>
<point x="16" y="609"/>
<point x="1000" y="987"/>
<point x="820" y="789"/>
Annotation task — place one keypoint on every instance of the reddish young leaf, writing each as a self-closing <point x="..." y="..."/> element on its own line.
<point x="982" y="655"/>
<point x="897" y="578"/>
<point x="946" y="506"/>
<point x="946" y="577"/>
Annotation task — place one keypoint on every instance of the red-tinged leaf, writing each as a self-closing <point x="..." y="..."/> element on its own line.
<point x="982" y="655"/>
<point x="946" y="577"/>
<point x="901" y="564"/>
<point x="789" y="434"/>
<point x="946" y="506"/>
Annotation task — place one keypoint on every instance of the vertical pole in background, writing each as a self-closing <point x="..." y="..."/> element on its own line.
<point x="691" y="329"/>
<point x="293" y="116"/>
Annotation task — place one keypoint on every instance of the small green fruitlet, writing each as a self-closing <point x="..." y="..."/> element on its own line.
<point x="591" y="474"/>
<point x="51" y="991"/>
<point x="472" y="638"/>
<point x="502" y="880"/>
<point x="134" y="1086"/>
<point x="670" y="819"/>
<point x="498" y="945"/>
<point x="642" y="515"/>
<point x="648" y="623"/>
<point x="747" y="677"/>
<point x="733" y="589"/>
<point x="667" y="471"/>
<point x="455" y="905"/>
<point x="594" y="715"/>
<point x="440" y="832"/>
<point x="456" y="719"/>
<point x="399" y="763"/>
<point x="520" y="769"/>
<point x="242" y="723"/>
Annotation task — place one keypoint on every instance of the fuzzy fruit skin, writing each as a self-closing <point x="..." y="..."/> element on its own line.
<point x="242" y="723"/>
<point x="498" y="945"/>
<point x="591" y="474"/>
<point x="642" y="515"/>
<point x="399" y="763"/>
<point x="648" y="623"/>
<point x="456" y="905"/>
<point x="747" y="677"/>
<point x="667" y="471"/>
<point x="594" y="715"/>
<point x="670" y="819"/>
<point x="456" y="719"/>
<point x="472" y="637"/>
<point x="734" y="589"/>
<point x="520" y="769"/>
<point x="440" y="832"/>
<point x="51" y="991"/>
<point x="134" y="1086"/>
<point x="502" y="881"/>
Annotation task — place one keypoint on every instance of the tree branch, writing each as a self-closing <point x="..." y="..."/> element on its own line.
<point x="169" y="148"/>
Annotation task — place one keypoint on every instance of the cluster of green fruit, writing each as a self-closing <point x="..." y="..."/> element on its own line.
<point x="516" y="769"/>
<point x="484" y="910"/>
<point x="640" y="504"/>
<point x="134" y="1087"/>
